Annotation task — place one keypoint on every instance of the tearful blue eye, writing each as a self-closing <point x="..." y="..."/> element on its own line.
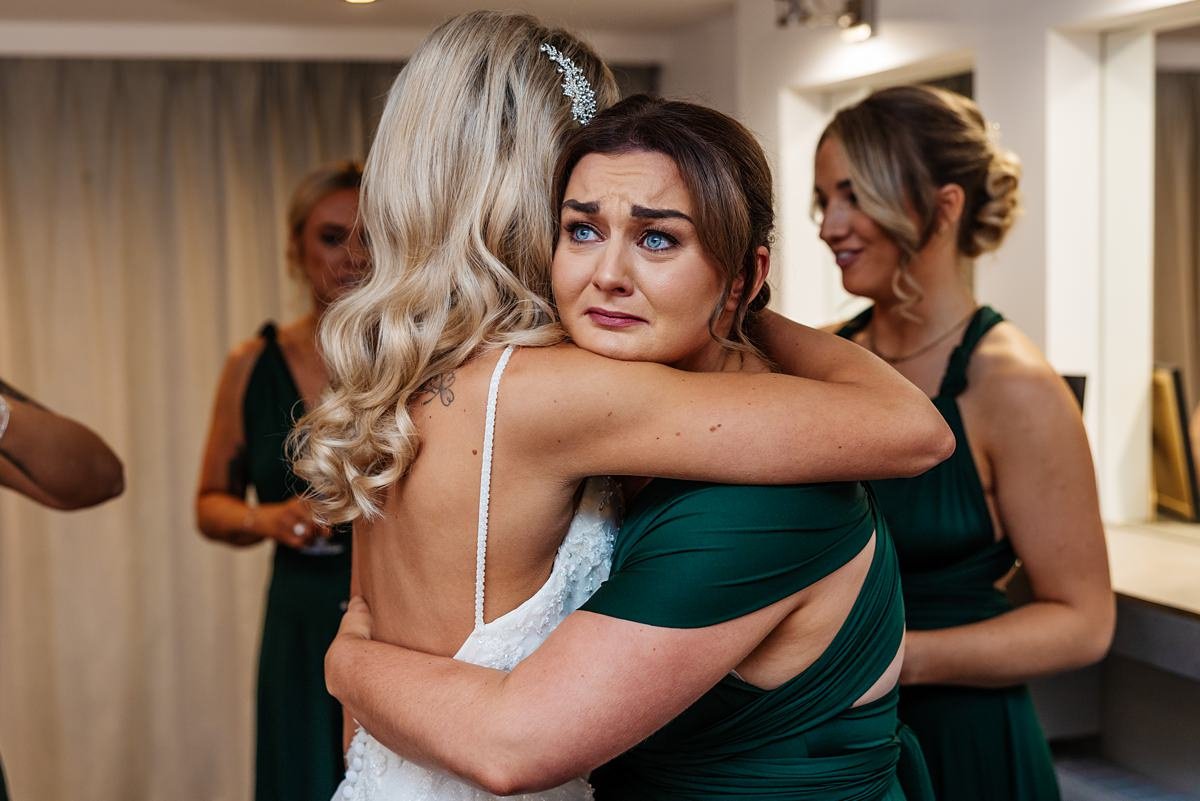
<point x="655" y="241"/>
<point x="581" y="233"/>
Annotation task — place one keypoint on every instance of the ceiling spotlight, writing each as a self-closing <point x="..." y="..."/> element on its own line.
<point x="855" y="18"/>
<point x="358" y="2"/>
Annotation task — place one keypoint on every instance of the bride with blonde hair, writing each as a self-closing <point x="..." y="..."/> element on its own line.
<point x="451" y="476"/>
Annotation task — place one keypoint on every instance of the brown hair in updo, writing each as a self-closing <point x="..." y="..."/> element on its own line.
<point x="726" y="175"/>
<point x="904" y="143"/>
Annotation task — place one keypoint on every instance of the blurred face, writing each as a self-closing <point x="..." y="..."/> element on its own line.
<point x="866" y="255"/>
<point x="630" y="277"/>
<point x="329" y="249"/>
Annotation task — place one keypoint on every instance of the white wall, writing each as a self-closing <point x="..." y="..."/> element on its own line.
<point x="294" y="42"/>
<point x="697" y="60"/>
<point x="702" y="64"/>
<point x="1178" y="53"/>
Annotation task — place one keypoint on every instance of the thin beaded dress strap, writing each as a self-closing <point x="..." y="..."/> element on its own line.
<point x="485" y="482"/>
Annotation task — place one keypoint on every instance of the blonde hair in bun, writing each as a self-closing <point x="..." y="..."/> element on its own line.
<point x="904" y="143"/>
<point x="1001" y="208"/>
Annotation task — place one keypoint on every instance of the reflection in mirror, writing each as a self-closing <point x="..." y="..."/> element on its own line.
<point x="1174" y="463"/>
<point x="1176" y="243"/>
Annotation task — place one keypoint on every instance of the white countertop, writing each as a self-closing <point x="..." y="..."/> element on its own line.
<point x="1157" y="562"/>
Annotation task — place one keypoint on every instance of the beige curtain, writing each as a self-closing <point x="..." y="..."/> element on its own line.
<point x="141" y="236"/>
<point x="1177" y="225"/>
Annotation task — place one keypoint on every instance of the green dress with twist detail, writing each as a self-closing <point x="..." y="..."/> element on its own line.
<point x="298" y="753"/>
<point x="981" y="744"/>
<point x="690" y="555"/>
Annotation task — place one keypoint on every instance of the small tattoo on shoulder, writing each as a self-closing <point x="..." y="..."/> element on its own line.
<point x="439" y="387"/>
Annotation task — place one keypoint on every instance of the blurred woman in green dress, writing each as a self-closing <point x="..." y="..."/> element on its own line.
<point x="267" y="384"/>
<point x="910" y="188"/>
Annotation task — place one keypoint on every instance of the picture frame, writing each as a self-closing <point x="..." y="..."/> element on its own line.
<point x="1175" y="490"/>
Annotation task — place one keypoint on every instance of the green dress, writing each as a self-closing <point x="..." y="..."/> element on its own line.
<point x="299" y="727"/>
<point x="981" y="744"/>
<point x="690" y="555"/>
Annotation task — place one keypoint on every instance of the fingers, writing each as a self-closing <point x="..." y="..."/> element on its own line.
<point x="293" y="527"/>
<point x="302" y="533"/>
<point x="298" y="529"/>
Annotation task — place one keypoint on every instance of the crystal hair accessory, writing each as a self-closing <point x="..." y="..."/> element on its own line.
<point x="575" y="86"/>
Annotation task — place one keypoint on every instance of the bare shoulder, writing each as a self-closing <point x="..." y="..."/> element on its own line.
<point x="1011" y="381"/>
<point x="241" y="359"/>
<point x="225" y="432"/>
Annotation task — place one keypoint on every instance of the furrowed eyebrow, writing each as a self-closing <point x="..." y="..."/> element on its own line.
<point x="844" y="185"/>
<point x="641" y="212"/>
<point x="583" y="208"/>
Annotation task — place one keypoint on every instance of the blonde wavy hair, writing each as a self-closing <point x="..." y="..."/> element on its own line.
<point x="904" y="143"/>
<point x="457" y="208"/>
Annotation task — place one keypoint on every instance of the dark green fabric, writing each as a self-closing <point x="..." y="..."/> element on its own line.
<point x="980" y="744"/>
<point x="299" y="725"/>
<point x="985" y="743"/>
<point x="3" y="786"/>
<point x="735" y="545"/>
<point x="690" y="555"/>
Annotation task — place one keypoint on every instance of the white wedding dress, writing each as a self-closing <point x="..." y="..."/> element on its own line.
<point x="375" y="773"/>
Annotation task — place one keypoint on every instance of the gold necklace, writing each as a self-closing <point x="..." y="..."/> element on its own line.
<point x="921" y="351"/>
